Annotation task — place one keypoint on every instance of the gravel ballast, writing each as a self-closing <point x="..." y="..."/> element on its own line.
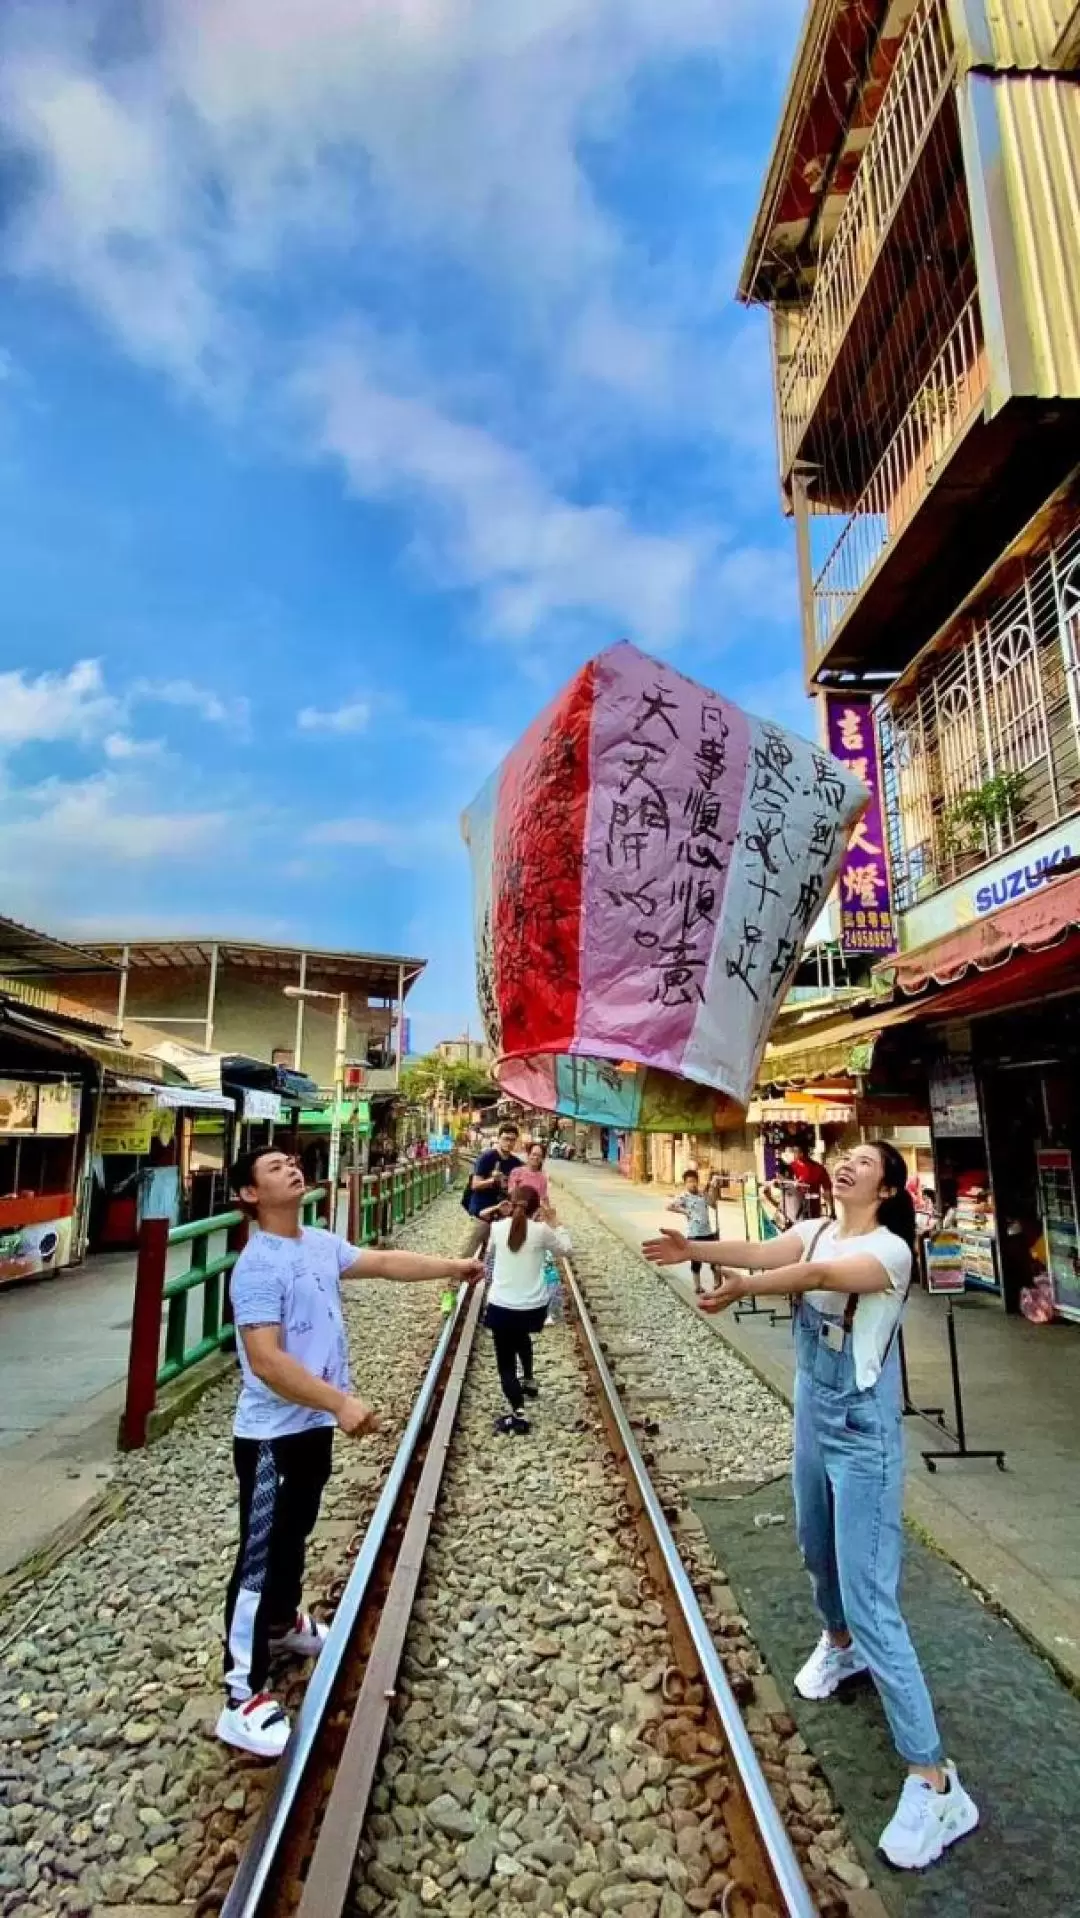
<point x="534" y="1761"/>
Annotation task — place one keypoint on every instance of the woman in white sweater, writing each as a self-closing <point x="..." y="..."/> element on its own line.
<point x="518" y="1300"/>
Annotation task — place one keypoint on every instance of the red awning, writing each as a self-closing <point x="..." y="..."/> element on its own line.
<point x="1032" y="925"/>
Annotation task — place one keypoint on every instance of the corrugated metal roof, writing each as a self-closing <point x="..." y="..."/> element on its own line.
<point x="1008" y="34"/>
<point x="24" y="951"/>
<point x="1038" y="120"/>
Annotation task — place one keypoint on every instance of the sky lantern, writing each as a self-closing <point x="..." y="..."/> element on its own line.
<point x="647" y="862"/>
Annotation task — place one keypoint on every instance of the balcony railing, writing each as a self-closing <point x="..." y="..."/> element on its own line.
<point x="929" y="429"/>
<point x="912" y="98"/>
<point x="1002" y="703"/>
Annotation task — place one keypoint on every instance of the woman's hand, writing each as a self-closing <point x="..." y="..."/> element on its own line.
<point x="671" y="1248"/>
<point x="731" y="1289"/>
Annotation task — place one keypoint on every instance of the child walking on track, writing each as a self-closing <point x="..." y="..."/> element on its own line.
<point x="519" y="1297"/>
<point x="694" y="1206"/>
<point x="286" y="1302"/>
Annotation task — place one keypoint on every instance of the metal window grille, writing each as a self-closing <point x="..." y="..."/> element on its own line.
<point x="1005" y="700"/>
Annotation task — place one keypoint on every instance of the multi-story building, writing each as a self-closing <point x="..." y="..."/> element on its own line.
<point x="916" y="245"/>
<point x="464" y="1052"/>
<point x="273" y="1003"/>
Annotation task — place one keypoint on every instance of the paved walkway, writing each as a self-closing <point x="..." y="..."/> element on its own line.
<point x="1015" y="1533"/>
<point x="63" y="1363"/>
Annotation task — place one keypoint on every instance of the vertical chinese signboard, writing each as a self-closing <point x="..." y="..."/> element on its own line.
<point x="866" y="922"/>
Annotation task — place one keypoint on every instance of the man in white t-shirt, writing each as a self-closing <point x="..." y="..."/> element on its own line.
<point x="285" y="1291"/>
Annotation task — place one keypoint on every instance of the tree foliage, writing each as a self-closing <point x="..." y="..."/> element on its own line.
<point x="460" y="1084"/>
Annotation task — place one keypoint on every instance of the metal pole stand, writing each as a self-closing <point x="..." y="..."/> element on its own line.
<point x="935" y="1413"/>
<point x="959" y="1437"/>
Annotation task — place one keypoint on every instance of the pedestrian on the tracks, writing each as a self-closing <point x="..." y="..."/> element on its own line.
<point x="518" y="1301"/>
<point x="489" y="1183"/>
<point x="849" y="1278"/>
<point x="532" y="1172"/>
<point x="286" y="1303"/>
<point x="694" y="1206"/>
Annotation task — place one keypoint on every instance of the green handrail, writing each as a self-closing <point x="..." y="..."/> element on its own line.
<point x="207" y="1274"/>
<point x="386" y="1201"/>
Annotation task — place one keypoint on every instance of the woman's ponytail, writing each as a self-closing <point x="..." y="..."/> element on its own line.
<point x="524" y="1200"/>
<point x="897" y="1212"/>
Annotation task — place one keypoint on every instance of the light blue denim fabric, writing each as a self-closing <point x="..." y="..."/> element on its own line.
<point x="849" y="1489"/>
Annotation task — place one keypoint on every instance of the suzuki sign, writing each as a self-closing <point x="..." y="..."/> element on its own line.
<point x="1015" y="876"/>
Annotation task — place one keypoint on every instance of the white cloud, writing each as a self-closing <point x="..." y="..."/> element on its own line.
<point x="400" y="842"/>
<point x="105" y="817"/>
<point x="353" y="717"/>
<point x="73" y="705"/>
<point x="202" y="700"/>
<point x="231" y="128"/>
<point x="223" y="143"/>
<point x="121" y="746"/>
<point x="486" y="517"/>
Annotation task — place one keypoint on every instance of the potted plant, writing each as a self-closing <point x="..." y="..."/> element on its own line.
<point x="972" y="817"/>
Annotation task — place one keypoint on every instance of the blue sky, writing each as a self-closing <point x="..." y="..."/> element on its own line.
<point x="363" y="369"/>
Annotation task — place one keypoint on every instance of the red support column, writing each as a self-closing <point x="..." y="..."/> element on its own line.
<point x="145" y="1333"/>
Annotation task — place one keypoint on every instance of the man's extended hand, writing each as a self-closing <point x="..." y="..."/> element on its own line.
<point x="731" y="1289"/>
<point x="467" y="1271"/>
<point x="355" y="1418"/>
<point x="671" y="1248"/>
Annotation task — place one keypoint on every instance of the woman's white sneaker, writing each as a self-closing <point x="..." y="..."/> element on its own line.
<point x="258" y="1726"/>
<point x="828" y="1667"/>
<point x="304" y="1639"/>
<point x="926" y="1821"/>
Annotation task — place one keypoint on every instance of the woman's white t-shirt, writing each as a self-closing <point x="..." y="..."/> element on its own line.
<point x="877" y="1313"/>
<point x="518" y="1280"/>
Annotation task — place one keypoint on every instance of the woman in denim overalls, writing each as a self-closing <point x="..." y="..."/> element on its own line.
<point x="849" y="1279"/>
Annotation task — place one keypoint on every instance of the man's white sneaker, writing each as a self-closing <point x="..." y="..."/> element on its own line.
<point x="926" y="1821"/>
<point x="827" y="1667"/>
<point x="305" y="1638"/>
<point x="258" y="1726"/>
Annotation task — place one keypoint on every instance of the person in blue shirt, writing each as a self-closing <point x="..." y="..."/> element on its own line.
<point x="295" y="1390"/>
<point x="488" y="1186"/>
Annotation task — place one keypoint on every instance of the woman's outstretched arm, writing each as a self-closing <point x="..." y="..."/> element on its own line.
<point x="673" y="1248"/>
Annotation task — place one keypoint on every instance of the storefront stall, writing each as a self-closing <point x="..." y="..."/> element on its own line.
<point x="40" y="1139"/>
<point x="999" y="1004"/>
<point x="159" y="1151"/>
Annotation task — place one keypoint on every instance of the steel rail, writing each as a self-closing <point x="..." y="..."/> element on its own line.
<point x="326" y="1886"/>
<point x="784" y="1870"/>
<point x="258" y="1865"/>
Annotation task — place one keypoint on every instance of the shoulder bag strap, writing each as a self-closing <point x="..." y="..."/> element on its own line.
<point x="808" y="1252"/>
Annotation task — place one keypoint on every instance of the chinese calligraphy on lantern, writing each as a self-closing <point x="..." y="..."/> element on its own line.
<point x="866" y="923"/>
<point x="664" y="845"/>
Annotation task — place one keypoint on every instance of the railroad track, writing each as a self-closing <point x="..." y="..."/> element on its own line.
<point x="302" y="1858"/>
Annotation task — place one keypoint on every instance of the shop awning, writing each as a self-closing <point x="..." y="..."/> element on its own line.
<point x="796" y="1111"/>
<point x="237" y="1070"/>
<point x="177" y="1098"/>
<point x="847" y="1049"/>
<point x="321" y="1118"/>
<point x="1044" y="919"/>
<point x="39" y="1030"/>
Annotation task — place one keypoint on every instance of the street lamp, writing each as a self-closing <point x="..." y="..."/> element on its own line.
<point x="341" y="1038"/>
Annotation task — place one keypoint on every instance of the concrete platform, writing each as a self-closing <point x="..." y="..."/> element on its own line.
<point x="1015" y="1534"/>
<point x="1012" y="1727"/>
<point x="63" y="1362"/>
